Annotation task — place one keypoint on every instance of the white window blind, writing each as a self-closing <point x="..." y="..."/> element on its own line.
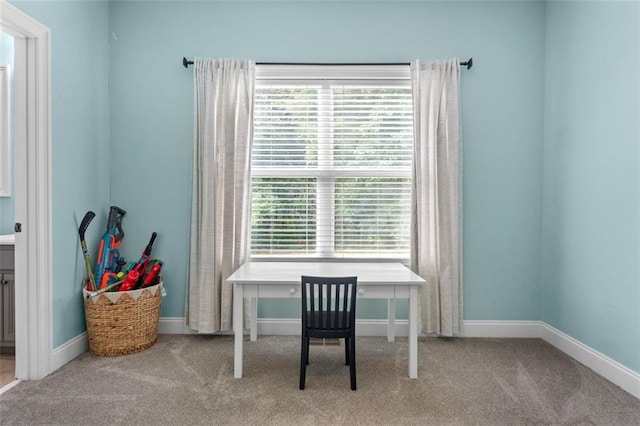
<point x="331" y="162"/>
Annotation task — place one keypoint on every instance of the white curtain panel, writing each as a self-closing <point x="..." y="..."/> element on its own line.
<point x="221" y="198"/>
<point x="437" y="204"/>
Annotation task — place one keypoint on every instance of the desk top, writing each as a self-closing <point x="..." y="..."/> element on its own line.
<point x="290" y="272"/>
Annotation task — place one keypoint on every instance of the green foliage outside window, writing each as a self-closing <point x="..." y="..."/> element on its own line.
<point x="344" y="142"/>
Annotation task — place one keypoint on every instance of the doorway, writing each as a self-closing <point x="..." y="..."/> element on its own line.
<point x="7" y="281"/>
<point x="32" y="135"/>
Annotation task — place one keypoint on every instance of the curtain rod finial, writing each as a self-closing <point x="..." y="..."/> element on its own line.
<point x="186" y="62"/>
<point x="469" y="63"/>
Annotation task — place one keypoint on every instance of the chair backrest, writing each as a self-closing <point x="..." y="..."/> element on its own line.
<point x="328" y="303"/>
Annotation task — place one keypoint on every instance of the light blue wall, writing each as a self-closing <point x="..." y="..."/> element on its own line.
<point x="6" y="203"/>
<point x="80" y="144"/>
<point x="502" y="103"/>
<point x="591" y="241"/>
<point x="123" y="127"/>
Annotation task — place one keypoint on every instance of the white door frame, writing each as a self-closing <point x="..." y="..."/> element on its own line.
<point x="32" y="121"/>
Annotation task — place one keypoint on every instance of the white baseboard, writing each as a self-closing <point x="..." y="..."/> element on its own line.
<point x="9" y="385"/>
<point x="68" y="351"/>
<point x="278" y="327"/>
<point x="611" y="370"/>
<point x="501" y="329"/>
<point x="291" y="327"/>
<point x="287" y="327"/>
<point x="174" y="325"/>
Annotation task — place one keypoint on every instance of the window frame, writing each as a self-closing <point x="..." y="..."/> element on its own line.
<point x="324" y="76"/>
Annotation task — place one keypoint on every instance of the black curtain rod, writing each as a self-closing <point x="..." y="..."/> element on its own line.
<point x="468" y="64"/>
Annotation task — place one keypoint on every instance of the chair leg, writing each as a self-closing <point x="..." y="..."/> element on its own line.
<point x="352" y="365"/>
<point x="304" y="360"/>
<point x="346" y="350"/>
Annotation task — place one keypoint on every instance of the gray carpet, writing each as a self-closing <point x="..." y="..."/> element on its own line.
<point x="188" y="379"/>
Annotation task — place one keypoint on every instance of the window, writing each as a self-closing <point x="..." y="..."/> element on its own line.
<point x="331" y="162"/>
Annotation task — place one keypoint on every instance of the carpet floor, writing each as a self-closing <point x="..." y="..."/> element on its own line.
<point x="188" y="380"/>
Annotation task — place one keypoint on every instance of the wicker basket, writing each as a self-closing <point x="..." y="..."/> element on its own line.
<point x="123" y="322"/>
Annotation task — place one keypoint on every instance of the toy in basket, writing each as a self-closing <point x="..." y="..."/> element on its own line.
<point x="122" y="305"/>
<point x="122" y="322"/>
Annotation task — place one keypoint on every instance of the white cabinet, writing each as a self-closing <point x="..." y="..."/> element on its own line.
<point x="7" y="299"/>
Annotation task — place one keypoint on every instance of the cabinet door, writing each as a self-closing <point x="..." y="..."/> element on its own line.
<point x="8" y="308"/>
<point x="6" y="257"/>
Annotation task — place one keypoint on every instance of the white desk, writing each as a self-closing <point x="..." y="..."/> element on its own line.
<point x="282" y="280"/>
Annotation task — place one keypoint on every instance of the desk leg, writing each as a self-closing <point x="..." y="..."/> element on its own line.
<point x="254" y="319"/>
<point x="413" y="332"/>
<point x="391" y="319"/>
<point x="238" y="291"/>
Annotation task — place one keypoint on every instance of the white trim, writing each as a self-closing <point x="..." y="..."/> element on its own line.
<point x="608" y="368"/>
<point x="32" y="174"/>
<point x="501" y="329"/>
<point x="279" y="326"/>
<point x="611" y="370"/>
<point x="69" y="350"/>
<point x="174" y="325"/>
<point x="9" y="386"/>
<point x="287" y="327"/>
